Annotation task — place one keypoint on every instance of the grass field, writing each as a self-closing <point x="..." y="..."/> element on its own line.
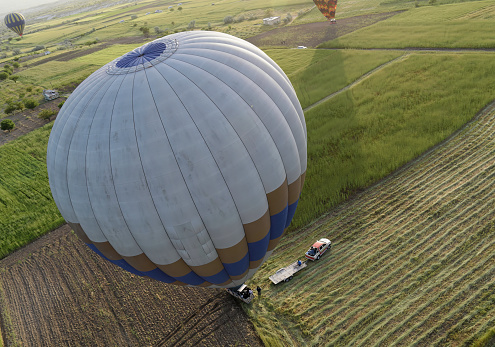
<point x="412" y="261"/>
<point x="465" y="25"/>
<point x="316" y="74"/>
<point x="27" y="209"/>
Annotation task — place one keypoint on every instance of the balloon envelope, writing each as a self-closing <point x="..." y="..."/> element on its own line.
<point x="15" y="22"/>
<point x="182" y="160"/>
<point x="327" y="7"/>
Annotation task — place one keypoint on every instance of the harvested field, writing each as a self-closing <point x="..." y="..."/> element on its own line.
<point x="56" y="291"/>
<point x="412" y="261"/>
<point x="312" y="34"/>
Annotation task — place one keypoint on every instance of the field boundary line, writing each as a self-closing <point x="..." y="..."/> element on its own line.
<point x="359" y="80"/>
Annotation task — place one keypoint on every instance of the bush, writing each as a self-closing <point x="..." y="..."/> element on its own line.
<point x="16" y="51"/>
<point x="192" y="24"/>
<point x="12" y="106"/>
<point x="38" y="48"/>
<point x="133" y="16"/>
<point x="179" y="8"/>
<point x="228" y="20"/>
<point x="61" y="104"/>
<point x="16" y="65"/>
<point x="31" y="103"/>
<point x="157" y="30"/>
<point x="46" y="113"/>
<point x="29" y="89"/>
<point x="3" y="76"/>
<point x="7" y="124"/>
<point x="14" y="78"/>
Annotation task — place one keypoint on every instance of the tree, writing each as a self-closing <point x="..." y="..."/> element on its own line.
<point x="157" y="30"/>
<point x="31" y="103"/>
<point x="145" y="31"/>
<point x="46" y="114"/>
<point x="16" y="51"/>
<point x="192" y="24"/>
<point x="7" y="124"/>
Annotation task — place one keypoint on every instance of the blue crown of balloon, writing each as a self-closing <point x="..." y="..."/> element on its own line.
<point x="142" y="55"/>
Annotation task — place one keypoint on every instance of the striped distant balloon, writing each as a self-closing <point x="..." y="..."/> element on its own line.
<point x="15" y="22"/>
<point x="182" y="160"/>
<point x="327" y="7"/>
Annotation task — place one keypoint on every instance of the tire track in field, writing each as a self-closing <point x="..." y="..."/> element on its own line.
<point x="363" y="77"/>
<point x="412" y="261"/>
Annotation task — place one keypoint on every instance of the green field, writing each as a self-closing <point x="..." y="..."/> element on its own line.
<point x="27" y="209"/>
<point x="466" y="25"/>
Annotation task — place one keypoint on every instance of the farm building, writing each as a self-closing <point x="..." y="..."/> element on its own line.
<point x="271" y="20"/>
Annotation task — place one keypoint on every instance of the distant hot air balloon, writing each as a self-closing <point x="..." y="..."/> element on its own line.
<point x="182" y="160"/>
<point x="327" y="7"/>
<point x="15" y="22"/>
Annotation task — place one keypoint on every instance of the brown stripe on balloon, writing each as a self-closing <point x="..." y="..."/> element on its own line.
<point x="255" y="264"/>
<point x="277" y="199"/>
<point x="233" y="254"/>
<point x="273" y="243"/>
<point x="140" y="262"/>
<point x="258" y="229"/>
<point x="176" y="269"/>
<point x="210" y="269"/>
<point x="80" y="232"/>
<point x="107" y="250"/>
<point x="179" y="283"/>
<point x="294" y="190"/>
<point x="239" y="277"/>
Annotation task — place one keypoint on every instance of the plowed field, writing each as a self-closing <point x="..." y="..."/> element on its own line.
<point x="57" y="292"/>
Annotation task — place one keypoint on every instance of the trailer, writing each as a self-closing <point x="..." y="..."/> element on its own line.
<point x="285" y="274"/>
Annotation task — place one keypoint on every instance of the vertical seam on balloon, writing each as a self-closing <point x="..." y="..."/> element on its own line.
<point x="86" y="156"/>
<point x="271" y="136"/>
<point x="211" y="153"/>
<point x="186" y="53"/>
<point x="110" y="155"/>
<point x="61" y="132"/>
<point x="211" y="156"/>
<point x="178" y="166"/>
<point x="227" y="119"/>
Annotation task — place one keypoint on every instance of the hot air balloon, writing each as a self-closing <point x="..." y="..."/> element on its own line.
<point x="15" y="22"/>
<point x="327" y="8"/>
<point x="182" y="160"/>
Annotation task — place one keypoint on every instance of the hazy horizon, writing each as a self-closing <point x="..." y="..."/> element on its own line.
<point x="19" y="5"/>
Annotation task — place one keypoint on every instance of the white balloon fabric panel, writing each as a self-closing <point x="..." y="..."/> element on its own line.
<point x="182" y="160"/>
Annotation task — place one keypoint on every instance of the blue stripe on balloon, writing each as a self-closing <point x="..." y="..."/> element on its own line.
<point x="159" y="275"/>
<point x="239" y="267"/>
<point x="277" y="223"/>
<point x="257" y="250"/>
<point x="290" y="215"/>
<point x="218" y="278"/>
<point x="191" y="278"/>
